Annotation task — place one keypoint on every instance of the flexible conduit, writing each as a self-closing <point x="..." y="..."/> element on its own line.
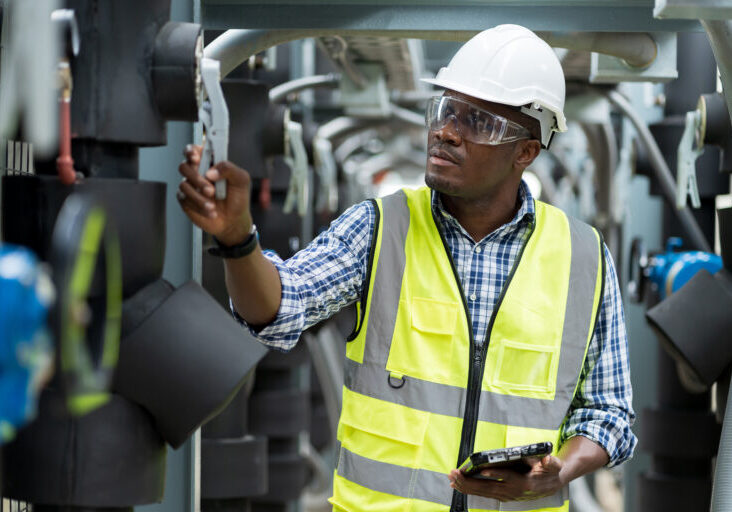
<point x="662" y="172"/>
<point x="280" y="92"/>
<point x="722" y="488"/>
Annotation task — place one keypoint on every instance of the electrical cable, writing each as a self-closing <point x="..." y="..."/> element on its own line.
<point x="662" y="172"/>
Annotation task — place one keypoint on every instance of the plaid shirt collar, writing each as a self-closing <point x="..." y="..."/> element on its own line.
<point x="524" y="214"/>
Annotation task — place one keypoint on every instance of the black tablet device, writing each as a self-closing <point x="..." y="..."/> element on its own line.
<point x="509" y="458"/>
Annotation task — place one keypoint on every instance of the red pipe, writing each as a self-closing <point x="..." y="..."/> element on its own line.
<point x="64" y="162"/>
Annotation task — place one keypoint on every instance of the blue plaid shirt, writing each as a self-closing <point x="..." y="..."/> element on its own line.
<point x="328" y="274"/>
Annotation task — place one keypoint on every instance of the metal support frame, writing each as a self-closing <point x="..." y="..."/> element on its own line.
<point x="662" y="68"/>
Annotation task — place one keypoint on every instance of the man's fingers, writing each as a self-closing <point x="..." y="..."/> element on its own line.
<point x="190" y="173"/>
<point x="498" y="475"/>
<point x="192" y="153"/>
<point x="551" y="463"/>
<point x="191" y="210"/>
<point x="199" y="203"/>
<point x="234" y="175"/>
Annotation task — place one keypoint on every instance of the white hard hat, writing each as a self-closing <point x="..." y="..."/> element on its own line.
<point x="509" y="64"/>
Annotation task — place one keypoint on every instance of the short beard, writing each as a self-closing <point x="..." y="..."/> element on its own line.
<point x="438" y="184"/>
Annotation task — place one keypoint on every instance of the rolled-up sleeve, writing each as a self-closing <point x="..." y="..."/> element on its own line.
<point x="321" y="279"/>
<point x="602" y="407"/>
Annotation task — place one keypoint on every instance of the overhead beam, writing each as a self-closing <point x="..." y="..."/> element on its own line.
<point x="431" y="18"/>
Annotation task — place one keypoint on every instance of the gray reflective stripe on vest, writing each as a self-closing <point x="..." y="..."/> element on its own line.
<point x="420" y="484"/>
<point x="371" y="378"/>
<point x="423" y="484"/>
<point x="587" y="254"/>
<point x="388" y="279"/>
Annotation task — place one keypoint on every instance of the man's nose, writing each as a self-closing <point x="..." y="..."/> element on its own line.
<point x="450" y="132"/>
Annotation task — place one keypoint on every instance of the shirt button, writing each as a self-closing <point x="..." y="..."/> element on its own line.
<point x="477" y="249"/>
<point x="472" y="296"/>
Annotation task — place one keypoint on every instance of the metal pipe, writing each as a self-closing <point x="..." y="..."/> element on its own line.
<point x="722" y="488"/>
<point x="638" y="50"/>
<point x="407" y="116"/>
<point x="236" y="45"/>
<point x="660" y="167"/>
<point x="719" y="33"/>
<point x="281" y="91"/>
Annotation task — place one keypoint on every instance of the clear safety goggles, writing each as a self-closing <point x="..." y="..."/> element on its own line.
<point x="472" y="123"/>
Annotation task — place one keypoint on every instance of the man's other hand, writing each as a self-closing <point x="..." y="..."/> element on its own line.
<point x="228" y="219"/>
<point x="508" y="485"/>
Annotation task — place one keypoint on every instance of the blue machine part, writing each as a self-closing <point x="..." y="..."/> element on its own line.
<point x="26" y="353"/>
<point x="672" y="269"/>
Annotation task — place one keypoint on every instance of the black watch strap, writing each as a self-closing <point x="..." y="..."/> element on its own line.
<point x="236" y="251"/>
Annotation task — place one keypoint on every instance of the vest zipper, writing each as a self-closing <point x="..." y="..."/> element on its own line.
<point x="476" y="368"/>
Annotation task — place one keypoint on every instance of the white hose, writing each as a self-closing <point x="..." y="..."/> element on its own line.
<point x="280" y="92"/>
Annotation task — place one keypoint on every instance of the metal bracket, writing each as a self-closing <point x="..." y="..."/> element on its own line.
<point x="690" y="148"/>
<point x="214" y="116"/>
<point x="693" y="9"/>
<point x="296" y="158"/>
<point x="605" y="69"/>
<point x="370" y="99"/>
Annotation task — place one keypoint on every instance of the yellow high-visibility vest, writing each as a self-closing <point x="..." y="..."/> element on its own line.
<point x="420" y="395"/>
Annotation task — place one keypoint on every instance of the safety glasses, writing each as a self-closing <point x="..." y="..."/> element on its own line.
<point x="472" y="123"/>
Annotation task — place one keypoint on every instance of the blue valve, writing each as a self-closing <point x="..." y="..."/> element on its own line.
<point x="672" y="269"/>
<point x="26" y="353"/>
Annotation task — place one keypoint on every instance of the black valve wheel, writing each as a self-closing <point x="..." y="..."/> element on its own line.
<point x="87" y="270"/>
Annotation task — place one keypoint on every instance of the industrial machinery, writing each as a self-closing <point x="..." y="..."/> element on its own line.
<point x="116" y="337"/>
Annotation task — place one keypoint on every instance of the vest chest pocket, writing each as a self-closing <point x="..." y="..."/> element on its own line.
<point x="422" y="346"/>
<point x="525" y="369"/>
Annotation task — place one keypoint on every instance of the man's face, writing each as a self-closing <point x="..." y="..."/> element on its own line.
<point x="460" y="168"/>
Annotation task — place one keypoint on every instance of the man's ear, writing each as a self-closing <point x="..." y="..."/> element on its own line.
<point x="526" y="153"/>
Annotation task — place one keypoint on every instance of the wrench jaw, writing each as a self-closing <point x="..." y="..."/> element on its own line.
<point x="214" y="116"/>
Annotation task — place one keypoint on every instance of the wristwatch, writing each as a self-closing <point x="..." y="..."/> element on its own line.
<point x="239" y="250"/>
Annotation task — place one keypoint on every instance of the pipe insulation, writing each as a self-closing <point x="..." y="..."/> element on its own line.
<point x="638" y="50"/>
<point x="236" y="45"/>
<point x="719" y="33"/>
<point x="722" y="488"/>
<point x="662" y="172"/>
<point x="280" y="92"/>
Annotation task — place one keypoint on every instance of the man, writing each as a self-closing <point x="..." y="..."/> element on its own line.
<point x="485" y="319"/>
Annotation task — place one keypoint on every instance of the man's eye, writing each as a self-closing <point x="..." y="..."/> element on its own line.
<point x="474" y="119"/>
<point x="482" y="123"/>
